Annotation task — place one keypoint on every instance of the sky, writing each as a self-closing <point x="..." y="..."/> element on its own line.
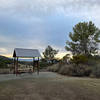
<point x="35" y="24"/>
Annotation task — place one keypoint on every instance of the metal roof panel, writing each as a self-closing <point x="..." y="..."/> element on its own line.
<point x="20" y="52"/>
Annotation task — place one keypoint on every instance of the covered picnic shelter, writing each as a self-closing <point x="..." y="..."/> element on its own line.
<point x="26" y="53"/>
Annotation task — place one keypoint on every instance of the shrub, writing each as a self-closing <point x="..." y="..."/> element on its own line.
<point x="71" y="69"/>
<point x="66" y="70"/>
<point x="53" y="68"/>
<point x="3" y="65"/>
<point x="44" y="65"/>
<point x="96" y="71"/>
<point x="89" y="67"/>
<point x="82" y="70"/>
<point x="79" y="59"/>
<point x="75" y="70"/>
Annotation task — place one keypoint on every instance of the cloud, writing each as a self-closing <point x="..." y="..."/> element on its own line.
<point x="3" y="50"/>
<point x="5" y="39"/>
<point x="38" y="23"/>
<point x="31" y="7"/>
<point x="28" y="9"/>
<point x="7" y="44"/>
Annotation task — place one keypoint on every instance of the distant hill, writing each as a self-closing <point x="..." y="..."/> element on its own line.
<point x="4" y="61"/>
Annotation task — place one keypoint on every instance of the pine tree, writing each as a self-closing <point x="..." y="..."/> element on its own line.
<point x="84" y="39"/>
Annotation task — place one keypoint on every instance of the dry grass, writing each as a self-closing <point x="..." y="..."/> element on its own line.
<point x="60" y="88"/>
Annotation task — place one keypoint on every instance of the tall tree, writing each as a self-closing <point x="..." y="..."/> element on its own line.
<point x="84" y="39"/>
<point x="50" y="53"/>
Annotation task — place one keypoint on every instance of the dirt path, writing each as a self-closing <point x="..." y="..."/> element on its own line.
<point x="48" y="86"/>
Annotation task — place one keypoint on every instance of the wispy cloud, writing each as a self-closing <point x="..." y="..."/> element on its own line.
<point x="38" y="23"/>
<point x="47" y="6"/>
<point x="3" y="50"/>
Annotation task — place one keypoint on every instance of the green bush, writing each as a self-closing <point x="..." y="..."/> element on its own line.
<point x="79" y="59"/>
<point x="89" y="66"/>
<point x="44" y="65"/>
<point x="75" y="70"/>
<point x="66" y="70"/>
<point x="53" y="68"/>
<point x="82" y="70"/>
<point x="3" y="65"/>
<point x="71" y="69"/>
<point x="96" y="71"/>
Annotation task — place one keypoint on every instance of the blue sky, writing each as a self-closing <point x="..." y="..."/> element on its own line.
<point x="38" y="23"/>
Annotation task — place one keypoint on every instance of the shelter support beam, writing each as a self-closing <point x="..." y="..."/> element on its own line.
<point x="38" y="67"/>
<point x="17" y="66"/>
<point x="14" y="65"/>
<point x="33" y="64"/>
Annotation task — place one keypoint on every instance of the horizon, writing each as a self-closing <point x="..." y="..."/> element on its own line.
<point x="58" y="56"/>
<point x="36" y="24"/>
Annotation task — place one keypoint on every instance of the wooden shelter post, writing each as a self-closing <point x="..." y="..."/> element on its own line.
<point x="14" y="65"/>
<point x="17" y="66"/>
<point x="33" y="64"/>
<point x="38" y="67"/>
<point x="28" y="53"/>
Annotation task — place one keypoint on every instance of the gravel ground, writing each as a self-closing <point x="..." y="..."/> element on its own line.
<point x="42" y="75"/>
<point x="5" y="77"/>
<point x="48" y="86"/>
